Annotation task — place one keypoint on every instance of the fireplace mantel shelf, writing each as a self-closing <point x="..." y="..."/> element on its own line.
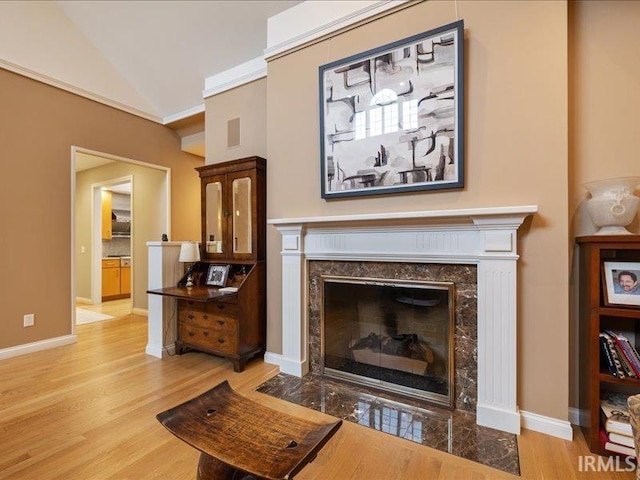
<point x="463" y="213"/>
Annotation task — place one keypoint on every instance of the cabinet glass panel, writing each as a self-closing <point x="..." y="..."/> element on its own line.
<point x="214" y="217"/>
<point x="242" y="215"/>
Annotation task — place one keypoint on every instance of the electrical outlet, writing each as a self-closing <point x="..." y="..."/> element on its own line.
<point x="29" y="319"/>
<point x="82" y="249"/>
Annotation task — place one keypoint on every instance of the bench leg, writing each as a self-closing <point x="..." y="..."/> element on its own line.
<point x="210" y="468"/>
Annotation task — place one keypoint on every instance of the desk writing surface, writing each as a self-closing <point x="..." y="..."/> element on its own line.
<point x="197" y="293"/>
<point x="247" y="435"/>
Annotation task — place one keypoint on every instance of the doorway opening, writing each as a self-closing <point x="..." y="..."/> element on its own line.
<point x="113" y="234"/>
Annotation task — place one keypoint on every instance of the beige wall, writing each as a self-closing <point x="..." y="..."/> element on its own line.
<point x="249" y="104"/>
<point x="516" y="154"/>
<point x="603" y="108"/>
<point x="149" y="219"/>
<point x="38" y="126"/>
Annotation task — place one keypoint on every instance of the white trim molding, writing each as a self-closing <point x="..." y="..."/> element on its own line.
<point x="235" y="77"/>
<point x="313" y="19"/>
<point x="164" y="271"/>
<point x="40" y="77"/>
<point x="486" y="237"/>
<point x="37" y="346"/>
<point x="550" y="426"/>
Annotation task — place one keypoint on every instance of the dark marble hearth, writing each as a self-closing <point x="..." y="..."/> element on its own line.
<point x="454" y="431"/>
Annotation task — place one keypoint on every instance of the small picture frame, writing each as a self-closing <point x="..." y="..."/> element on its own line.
<point x="621" y="283"/>
<point x="217" y="275"/>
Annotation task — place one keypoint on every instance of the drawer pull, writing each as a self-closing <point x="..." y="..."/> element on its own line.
<point x="206" y="334"/>
<point x="205" y="316"/>
<point x="191" y="316"/>
<point x="191" y="334"/>
<point x="221" y="306"/>
<point x="190" y="302"/>
<point x="221" y="340"/>
<point x="221" y="322"/>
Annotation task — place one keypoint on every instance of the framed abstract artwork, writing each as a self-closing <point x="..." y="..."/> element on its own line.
<point x="391" y="118"/>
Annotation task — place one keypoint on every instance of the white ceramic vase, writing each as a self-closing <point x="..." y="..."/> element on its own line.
<point x="613" y="205"/>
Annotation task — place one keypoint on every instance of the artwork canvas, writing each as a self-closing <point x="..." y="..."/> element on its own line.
<point x="391" y="118"/>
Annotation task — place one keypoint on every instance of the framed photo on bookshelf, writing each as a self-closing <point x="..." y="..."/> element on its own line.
<point x="621" y="283"/>
<point x="217" y="275"/>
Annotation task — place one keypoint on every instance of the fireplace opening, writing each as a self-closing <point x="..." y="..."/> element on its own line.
<point x="395" y="335"/>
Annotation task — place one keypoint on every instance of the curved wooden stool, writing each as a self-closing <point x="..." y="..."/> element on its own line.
<point x="240" y="439"/>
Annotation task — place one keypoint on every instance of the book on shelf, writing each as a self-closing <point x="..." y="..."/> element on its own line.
<point x="622" y="439"/>
<point x="606" y="358"/>
<point x="615" y="413"/>
<point x="614" y="447"/>
<point x="610" y="343"/>
<point x="627" y="351"/>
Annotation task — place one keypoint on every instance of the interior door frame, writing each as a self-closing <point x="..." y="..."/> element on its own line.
<point x="96" y="265"/>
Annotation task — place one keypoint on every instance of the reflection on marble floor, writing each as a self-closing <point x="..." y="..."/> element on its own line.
<point x="454" y="432"/>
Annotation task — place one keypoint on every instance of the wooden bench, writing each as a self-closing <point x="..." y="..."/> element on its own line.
<point x="241" y="439"/>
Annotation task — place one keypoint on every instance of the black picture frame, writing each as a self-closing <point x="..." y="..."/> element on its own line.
<point x="217" y="275"/>
<point x="391" y="118"/>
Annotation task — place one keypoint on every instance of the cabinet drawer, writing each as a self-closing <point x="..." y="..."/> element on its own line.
<point x="207" y="320"/>
<point x="207" y="338"/>
<point x="223" y="307"/>
<point x="111" y="263"/>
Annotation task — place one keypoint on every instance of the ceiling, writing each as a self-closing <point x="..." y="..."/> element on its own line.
<point x="166" y="49"/>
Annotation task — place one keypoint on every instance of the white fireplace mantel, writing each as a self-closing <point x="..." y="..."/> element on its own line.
<point x="486" y="237"/>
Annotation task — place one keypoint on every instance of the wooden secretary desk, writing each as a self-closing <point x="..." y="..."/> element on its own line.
<point x="224" y="312"/>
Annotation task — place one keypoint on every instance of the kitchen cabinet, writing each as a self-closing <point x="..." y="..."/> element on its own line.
<point x="106" y="214"/>
<point x="110" y="279"/>
<point x="116" y="279"/>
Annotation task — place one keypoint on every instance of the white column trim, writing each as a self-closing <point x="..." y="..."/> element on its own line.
<point x="164" y="271"/>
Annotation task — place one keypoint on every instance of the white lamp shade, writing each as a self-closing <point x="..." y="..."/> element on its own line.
<point x="189" y="252"/>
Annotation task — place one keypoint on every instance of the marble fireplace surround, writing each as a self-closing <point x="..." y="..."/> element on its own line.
<point x="485" y="237"/>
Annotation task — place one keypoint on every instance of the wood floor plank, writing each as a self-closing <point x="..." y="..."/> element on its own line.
<point x="87" y="411"/>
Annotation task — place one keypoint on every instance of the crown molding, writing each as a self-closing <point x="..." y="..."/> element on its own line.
<point x="25" y="72"/>
<point x="183" y="114"/>
<point x="234" y="77"/>
<point x="311" y="20"/>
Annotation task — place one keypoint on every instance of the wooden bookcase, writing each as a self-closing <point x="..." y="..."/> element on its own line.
<point x="594" y="316"/>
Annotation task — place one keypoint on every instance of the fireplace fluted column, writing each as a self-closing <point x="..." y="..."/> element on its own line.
<point x="295" y="332"/>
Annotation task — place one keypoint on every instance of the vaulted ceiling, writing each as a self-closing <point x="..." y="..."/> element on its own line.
<point x="152" y="56"/>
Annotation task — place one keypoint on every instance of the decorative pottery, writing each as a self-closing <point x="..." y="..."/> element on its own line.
<point x="613" y="205"/>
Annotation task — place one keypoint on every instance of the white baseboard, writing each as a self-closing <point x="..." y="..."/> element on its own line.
<point x="84" y="300"/>
<point x="140" y="311"/>
<point x="550" y="426"/>
<point x="36" y="346"/>
<point x="290" y="367"/>
<point x="160" y="352"/>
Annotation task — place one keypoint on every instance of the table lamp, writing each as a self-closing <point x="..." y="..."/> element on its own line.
<point x="189" y="253"/>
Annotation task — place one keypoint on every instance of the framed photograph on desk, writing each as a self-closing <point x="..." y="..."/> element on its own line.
<point x="217" y="275"/>
<point x="622" y="283"/>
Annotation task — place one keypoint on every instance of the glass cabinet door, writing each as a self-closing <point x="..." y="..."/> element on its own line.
<point x="241" y="201"/>
<point x="214" y="217"/>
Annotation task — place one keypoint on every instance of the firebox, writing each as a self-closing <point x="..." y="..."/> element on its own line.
<point x="395" y="335"/>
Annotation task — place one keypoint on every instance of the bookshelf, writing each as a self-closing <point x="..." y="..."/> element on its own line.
<point x="594" y="316"/>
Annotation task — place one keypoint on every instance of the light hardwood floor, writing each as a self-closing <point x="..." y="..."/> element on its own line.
<point x="87" y="411"/>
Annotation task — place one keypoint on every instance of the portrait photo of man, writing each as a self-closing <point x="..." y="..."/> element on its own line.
<point x="626" y="282"/>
